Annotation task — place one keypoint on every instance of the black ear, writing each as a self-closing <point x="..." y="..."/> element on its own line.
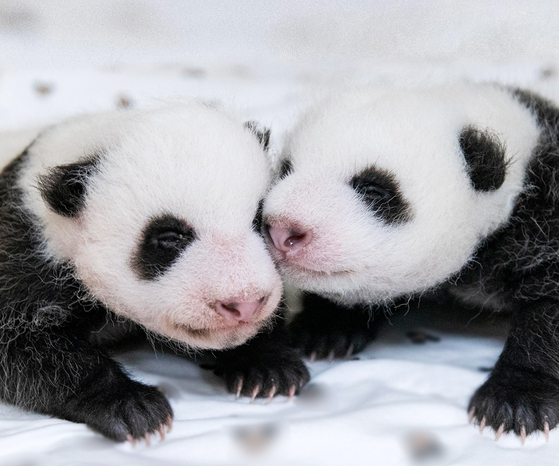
<point x="63" y="188"/>
<point x="485" y="158"/>
<point x="261" y="133"/>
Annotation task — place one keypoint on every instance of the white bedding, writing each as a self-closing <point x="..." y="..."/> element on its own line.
<point x="268" y="60"/>
<point x="367" y="411"/>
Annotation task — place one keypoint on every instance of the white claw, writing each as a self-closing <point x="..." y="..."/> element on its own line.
<point x="523" y="435"/>
<point x="312" y="356"/>
<point x="546" y="431"/>
<point x="147" y="438"/>
<point x="169" y="424"/>
<point x="292" y="391"/>
<point x="254" y="393"/>
<point x="271" y="394"/>
<point x="349" y="351"/>
<point x="161" y="431"/>
<point x="499" y="432"/>
<point x="239" y="388"/>
<point x="331" y="356"/>
<point x="482" y="425"/>
<point x="471" y="414"/>
<point x="131" y="439"/>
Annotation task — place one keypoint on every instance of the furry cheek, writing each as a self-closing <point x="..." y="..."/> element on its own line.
<point x="217" y="270"/>
<point x="326" y="214"/>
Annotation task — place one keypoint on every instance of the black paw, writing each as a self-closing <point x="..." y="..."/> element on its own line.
<point x="127" y="411"/>
<point x="335" y="333"/>
<point x="262" y="374"/>
<point x="330" y="344"/>
<point x="516" y="400"/>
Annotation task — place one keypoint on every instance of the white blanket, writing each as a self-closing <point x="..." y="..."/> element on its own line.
<point x="397" y="403"/>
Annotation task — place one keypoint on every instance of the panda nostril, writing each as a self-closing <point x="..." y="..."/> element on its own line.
<point x="231" y="308"/>
<point x="289" y="239"/>
<point x="240" y="311"/>
<point x="294" y="239"/>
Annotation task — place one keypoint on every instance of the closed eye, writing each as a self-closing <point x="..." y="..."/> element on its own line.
<point x="380" y="192"/>
<point x="373" y="193"/>
<point x="162" y="242"/>
<point x="169" y="239"/>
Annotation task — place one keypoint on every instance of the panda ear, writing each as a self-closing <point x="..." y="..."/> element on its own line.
<point x="64" y="187"/>
<point x="261" y="133"/>
<point x="484" y="154"/>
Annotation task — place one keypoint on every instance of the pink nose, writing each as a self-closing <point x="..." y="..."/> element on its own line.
<point x="289" y="239"/>
<point x="240" y="311"/>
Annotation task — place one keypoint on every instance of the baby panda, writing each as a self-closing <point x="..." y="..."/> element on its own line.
<point x="143" y="219"/>
<point x="388" y="193"/>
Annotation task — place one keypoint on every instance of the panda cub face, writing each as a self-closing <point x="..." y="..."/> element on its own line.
<point x="386" y="191"/>
<point x="156" y="210"/>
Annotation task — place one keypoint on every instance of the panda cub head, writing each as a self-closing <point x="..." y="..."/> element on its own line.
<point x="386" y="192"/>
<point x="157" y="212"/>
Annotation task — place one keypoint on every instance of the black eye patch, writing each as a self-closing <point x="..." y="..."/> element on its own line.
<point x="380" y="191"/>
<point x="162" y="242"/>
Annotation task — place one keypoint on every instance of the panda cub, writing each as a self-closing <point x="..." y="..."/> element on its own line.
<point x="133" y="221"/>
<point x="388" y="193"/>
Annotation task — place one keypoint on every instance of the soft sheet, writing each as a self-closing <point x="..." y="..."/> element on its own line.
<point x="402" y="401"/>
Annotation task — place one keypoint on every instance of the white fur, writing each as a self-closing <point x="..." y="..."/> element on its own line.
<point x="191" y="160"/>
<point x="412" y="133"/>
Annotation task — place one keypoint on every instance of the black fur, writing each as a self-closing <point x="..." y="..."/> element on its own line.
<point x="48" y="363"/>
<point x="522" y="392"/>
<point x="286" y="168"/>
<point x="379" y="190"/>
<point x="485" y="158"/>
<point x="162" y="242"/>
<point x="519" y="265"/>
<point x="64" y="187"/>
<point x="257" y="221"/>
<point x="262" y="134"/>
<point x="266" y="364"/>
<point x="544" y="110"/>
<point x="55" y="336"/>
<point x="325" y="329"/>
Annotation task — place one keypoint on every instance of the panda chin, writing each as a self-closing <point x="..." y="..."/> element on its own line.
<point x="216" y="338"/>
<point x="346" y="287"/>
<point x="315" y="280"/>
<point x="318" y="274"/>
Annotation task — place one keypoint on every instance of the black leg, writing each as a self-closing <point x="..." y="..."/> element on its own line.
<point x="58" y="374"/>
<point x="263" y="367"/>
<point x="522" y="393"/>
<point x="324" y="329"/>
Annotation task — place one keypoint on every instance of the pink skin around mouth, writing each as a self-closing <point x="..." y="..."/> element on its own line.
<point x="235" y="314"/>
<point x="292" y="253"/>
<point x="237" y="310"/>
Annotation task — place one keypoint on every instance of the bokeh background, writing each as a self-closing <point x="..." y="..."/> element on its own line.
<point x="60" y="57"/>
<point x="403" y="401"/>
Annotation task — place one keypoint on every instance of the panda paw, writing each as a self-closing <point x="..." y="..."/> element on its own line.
<point x="329" y="339"/>
<point x="134" y="412"/>
<point x="263" y="374"/>
<point x="516" y="400"/>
